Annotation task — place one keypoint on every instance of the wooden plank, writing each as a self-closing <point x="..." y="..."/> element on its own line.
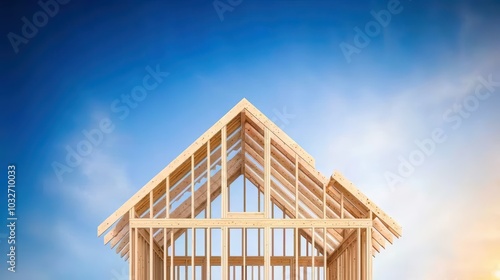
<point x="224" y="200"/>
<point x="149" y="186"/>
<point x="267" y="199"/>
<point x="174" y="192"/>
<point x="382" y="229"/>
<point x="256" y="116"/>
<point x="151" y="255"/>
<point x="136" y="251"/>
<point x="368" y="254"/>
<point x="349" y="239"/>
<point x="131" y="270"/>
<point x="145" y="236"/>
<point x="296" y="251"/>
<point x="341" y="205"/>
<point x="238" y="260"/>
<point x="224" y="261"/>
<point x="165" y="251"/>
<point x="296" y="186"/>
<point x="224" y="174"/>
<point x="378" y="238"/>
<point x="117" y="229"/>
<point x="182" y="209"/>
<point x="208" y="238"/>
<point x="200" y="142"/>
<point x="278" y="198"/>
<point x="313" y="254"/>
<point x="277" y="173"/>
<point x="318" y="243"/>
<point x="251" y="223"/>
<point x="208" y="208"/>
<point x="341" y="182"/>
<point x="325" y="254"/>
<point x="172" y="246"/>
<point x="179" y="189"/>
<point x="286" y="168"/>
<point x="358" y="254"/>
<point x="215" y="193"/>
<point x="244" y="231"/>
<point x="121" y="236"/>
<point x="151" y="242"/>
<point x="193" y="232"/>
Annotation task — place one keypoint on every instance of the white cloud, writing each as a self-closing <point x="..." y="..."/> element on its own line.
<point x="89" y="194"/>
<point x="365" y="133"/>
<point x="96" y="188"/>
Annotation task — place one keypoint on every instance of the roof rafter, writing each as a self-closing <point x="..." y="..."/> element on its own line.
<point x="200" y="143"/>
<point x="290" y="168"/>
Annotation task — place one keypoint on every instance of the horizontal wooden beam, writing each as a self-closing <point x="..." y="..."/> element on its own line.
<point x="251" y="223"/>
<point x="245" y="215"/>
<point x="250" y="260"/>
<point x="243" y="105"/>
<point x="172" y="166"/>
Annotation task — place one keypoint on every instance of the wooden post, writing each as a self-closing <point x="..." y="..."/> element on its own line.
<point x="296" y="187"/>
<point x="131" y="244"/>
<point x="267" y="199"/>
<point x="341" y="205"/>
<point x="296" y="233"/>
<point x="172" y="246"/>
<point x="208" y="231"/>
<point x="296" y="252"/>
<point x="136" y="250"/>
<point x="358" y="254"/>
<point x="325" y="253"/>
<point x="165" y="250"/>
<point x="313" y="255"/>
<point x="368" y="253"/>
<point x="271" y="243"/>
<point x="304" y="273"/>
<point x="284" y="246"/>
<point x="151" y="242"/>
<point x="244" y="231"/>
<point x="224" y="263"/>
<point x="193" y="233"/>
<point x="167" y="215"/>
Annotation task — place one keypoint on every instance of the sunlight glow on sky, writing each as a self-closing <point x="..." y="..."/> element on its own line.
<point x="433" y="66"/>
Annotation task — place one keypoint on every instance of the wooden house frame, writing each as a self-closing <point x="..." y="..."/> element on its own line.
<point x="262" y="211"/>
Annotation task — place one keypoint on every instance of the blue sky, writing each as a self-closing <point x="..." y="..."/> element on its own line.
<point x="360" y="114"/>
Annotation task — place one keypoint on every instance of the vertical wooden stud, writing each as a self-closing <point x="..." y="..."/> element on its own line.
<point x="313" y="233"/>
<point x="358" y="254"/>
<point x="165" y="250"/>
<point x="172" y="249"/>
<point x="244" y="231"/>
<point x="325" y="253"/>
<point x="341" y="205"/>
<point x="224" y="264"/>
<point x="296" y="252"/>
<point x="208" y="231"/>
<point x="267" y="199"/>
<point x="131" y="250"/>
<point x="296" y="187"/>
<point x="193" y="216"/>
<point x="151" y="257"/>
<point x="368" y="254"/>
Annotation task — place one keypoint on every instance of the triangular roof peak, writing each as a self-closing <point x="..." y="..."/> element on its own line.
<point x="291" y="168"/>
<point x="243" y="106"/>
